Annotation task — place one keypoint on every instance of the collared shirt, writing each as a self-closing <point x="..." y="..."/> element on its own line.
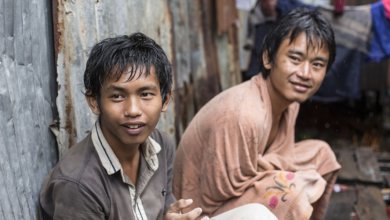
<point x="89" y="182"/>
<point x="111" y="163"/>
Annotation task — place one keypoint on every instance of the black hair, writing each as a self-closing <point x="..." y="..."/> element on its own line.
<point x="301" y="20"/>
<point x="111" y="57"/>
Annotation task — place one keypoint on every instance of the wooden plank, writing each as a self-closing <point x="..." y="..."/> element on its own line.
<point x="357" y="201"/>
<point x="370" y="204"/>
<point x="368" y="165"/>
<point x="347" y="160"/>
<point x="358" y="164"/>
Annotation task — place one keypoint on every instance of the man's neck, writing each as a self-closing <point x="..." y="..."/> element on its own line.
<point x="278" y="104"/>
<point x="130" y="164"/>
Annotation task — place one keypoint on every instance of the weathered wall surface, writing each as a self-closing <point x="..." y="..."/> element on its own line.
<point x="44" y="46"/>
<point x="204" y="61"/>
<point x="205" y="55"/>
<point x="27" y="79"/>
<point x="81" y="24"/>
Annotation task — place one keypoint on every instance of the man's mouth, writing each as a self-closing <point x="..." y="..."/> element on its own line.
<point x="134" y="126"/>
<point x="300" y="84"/>
<point x="301" y="87"/>
<point x="134" y="129"/>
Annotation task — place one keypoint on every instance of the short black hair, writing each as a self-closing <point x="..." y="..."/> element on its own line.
<point x="301" y="20"/>
<point x="111" y="57"/>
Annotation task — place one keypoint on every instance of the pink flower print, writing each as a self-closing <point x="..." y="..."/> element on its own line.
<point x="279" y="191"/>
<point x="273" y="202"/>
<point x="290" y="175"/>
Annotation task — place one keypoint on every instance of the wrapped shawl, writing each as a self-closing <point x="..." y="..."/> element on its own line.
<point x="222" y="161"/>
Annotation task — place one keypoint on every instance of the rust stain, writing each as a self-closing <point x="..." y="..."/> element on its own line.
<point x="69" y="115"/>
<point x="227" y="15"/>
<point x="59" y="24"/>
<point x="209" y="85"/>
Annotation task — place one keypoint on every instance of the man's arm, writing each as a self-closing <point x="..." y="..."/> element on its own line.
<point x="67" y="199"/>
<point x="174" y="209"/>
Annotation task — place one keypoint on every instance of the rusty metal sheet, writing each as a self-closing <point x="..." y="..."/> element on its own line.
<point x="27" y="148"/>
<point x="81" y="24"/>
<point x="227" y="15"/>
<point x="204" y="62"/>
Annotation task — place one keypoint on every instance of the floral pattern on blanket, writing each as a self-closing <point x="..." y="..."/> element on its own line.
<point x="284" y="185"/>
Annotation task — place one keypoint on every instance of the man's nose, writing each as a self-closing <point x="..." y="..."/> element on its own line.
<point x="133" y="107"/>
<point x="304" y="71"/>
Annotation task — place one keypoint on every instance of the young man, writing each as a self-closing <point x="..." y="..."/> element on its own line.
<point x="240" y="149"/>
<point x="123" y="168"/>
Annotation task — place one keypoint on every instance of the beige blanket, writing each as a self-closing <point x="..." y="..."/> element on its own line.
<point x="222" y="161"/>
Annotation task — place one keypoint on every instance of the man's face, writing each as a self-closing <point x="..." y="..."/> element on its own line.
<point x="298" y="70"/>
<point x="129" y="110"/>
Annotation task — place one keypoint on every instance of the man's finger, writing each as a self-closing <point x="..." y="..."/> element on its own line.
<point x="179" y="205"/>
<point x="193" y="214"/>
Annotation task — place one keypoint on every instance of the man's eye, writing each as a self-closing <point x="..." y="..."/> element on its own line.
<point x="294" y="58"/>
<point x="116" y="97"/>
<point x="318" y="65"/>
<point x="147" y="94"/>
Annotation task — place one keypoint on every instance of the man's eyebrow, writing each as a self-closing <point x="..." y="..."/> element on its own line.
<point x="297" y="52"/>
<point x="320" y="58"/>
<point x="115" y="88"/>
<point x="149" y="87"/>
<point x="300" y="53"/>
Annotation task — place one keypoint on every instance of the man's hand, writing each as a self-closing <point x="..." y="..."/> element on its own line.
<point x="175" y="211"/>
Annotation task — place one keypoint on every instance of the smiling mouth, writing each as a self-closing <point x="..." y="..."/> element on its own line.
<point x="133" y="126"/>
<point x="134" y="129"/>
<point x="300" y="87"/>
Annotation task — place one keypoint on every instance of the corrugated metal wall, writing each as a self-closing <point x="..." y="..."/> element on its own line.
<point x="81" y="24"/>
<point x="204" y="59"/>
<point x="43" y="49"/>
<point x="27" y="92"/>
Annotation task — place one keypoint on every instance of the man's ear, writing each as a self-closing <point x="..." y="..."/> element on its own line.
<point x="167" y="99"/>
<point x="93" y="104"/>
<point x="266" y="62"/>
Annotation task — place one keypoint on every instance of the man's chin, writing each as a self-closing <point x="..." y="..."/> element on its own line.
<point x="301" y="100"/>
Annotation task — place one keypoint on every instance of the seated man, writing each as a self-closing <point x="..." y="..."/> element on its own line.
<point x="240" y="149"/>
<point x="123" y="168"/>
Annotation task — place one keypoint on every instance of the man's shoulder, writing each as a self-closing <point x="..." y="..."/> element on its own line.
<point x="81" y="158"/>
<point x="77" y="180"/>
<point x="166" y="141"/>
<point x="233" y="104"/>
<point x="236" y="95"/>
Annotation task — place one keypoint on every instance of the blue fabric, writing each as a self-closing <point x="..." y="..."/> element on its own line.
<point x="284" y="6"/>
<point x="254" y="65"/>
<point x="380" y="42"/>
<point x="343" y="79"/>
